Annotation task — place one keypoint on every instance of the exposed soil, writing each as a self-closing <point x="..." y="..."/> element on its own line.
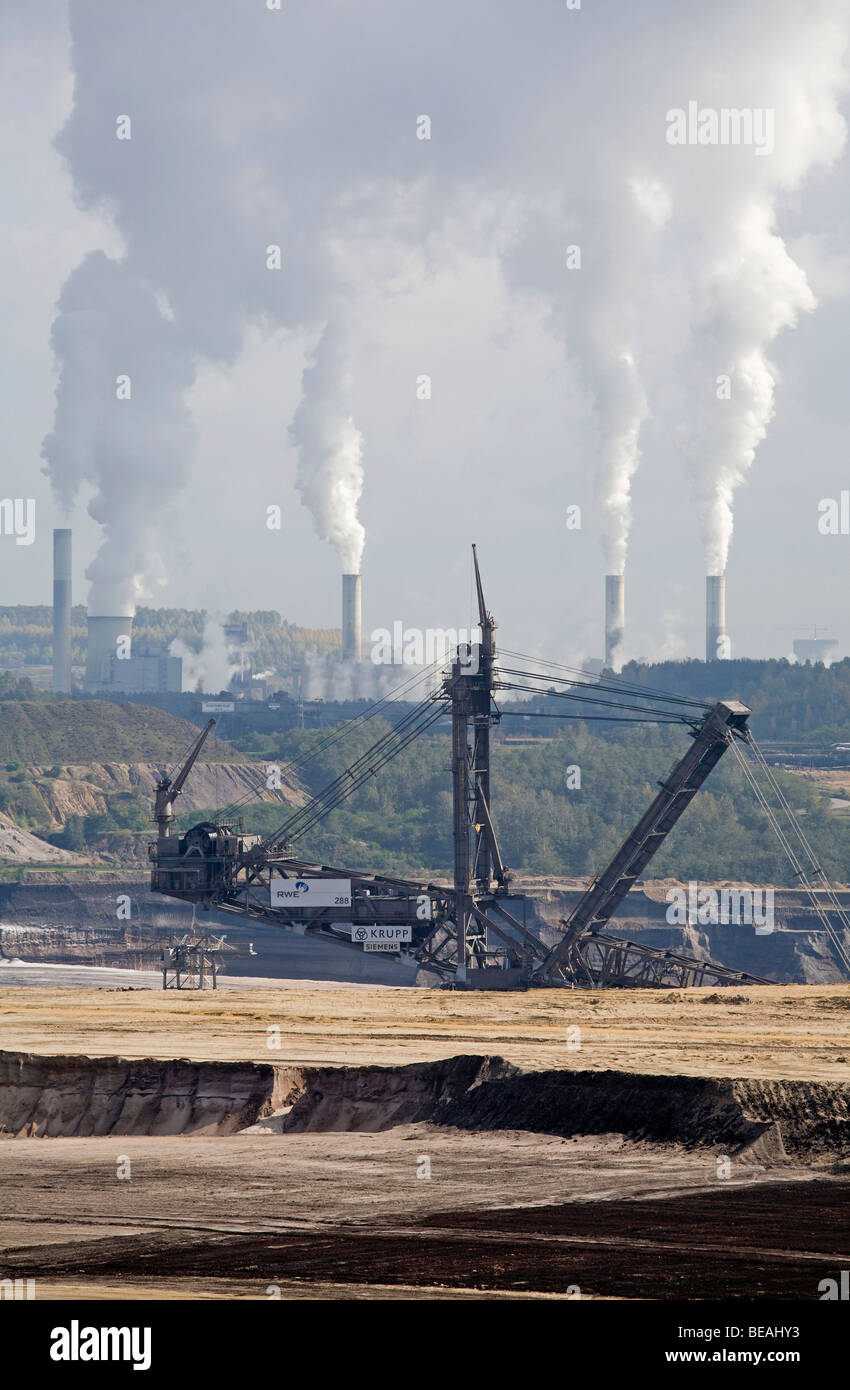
<point x="83" y="789"/>
<point x="46" y="1097"/>
<point x="762" y="1241"/>
<point x="61" y="1096"/>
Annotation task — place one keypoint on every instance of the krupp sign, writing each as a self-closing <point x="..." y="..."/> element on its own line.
<point x="382" y="936"/>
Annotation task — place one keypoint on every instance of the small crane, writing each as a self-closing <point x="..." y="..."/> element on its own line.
<point x="167" y="791"/>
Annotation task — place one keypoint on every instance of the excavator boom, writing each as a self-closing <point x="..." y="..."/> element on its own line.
<point x="723" y="722"/>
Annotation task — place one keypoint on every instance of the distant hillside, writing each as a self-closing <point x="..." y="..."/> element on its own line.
<point x="94" y="731"/>
<point x="788" y="701"/>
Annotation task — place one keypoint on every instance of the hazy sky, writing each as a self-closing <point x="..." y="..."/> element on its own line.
<point x="447" y="257"/>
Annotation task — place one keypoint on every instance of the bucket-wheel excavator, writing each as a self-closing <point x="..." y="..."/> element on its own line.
<point x="474" y="933"/>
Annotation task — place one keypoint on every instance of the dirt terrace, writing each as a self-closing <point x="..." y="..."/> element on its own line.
<point x="779" y="1031"/>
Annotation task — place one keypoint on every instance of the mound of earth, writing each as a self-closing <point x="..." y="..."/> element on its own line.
<point x="26" y="848"/>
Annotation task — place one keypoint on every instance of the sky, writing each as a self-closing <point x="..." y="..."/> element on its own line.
<point x="402" y="258"/>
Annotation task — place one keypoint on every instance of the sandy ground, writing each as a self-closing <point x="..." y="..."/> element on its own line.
<point x="282" y="1290"/>
<point x="828" y="779"/>
<point x="47" y="975"/>
<point x="67" y="1211"/>
<point x="250" y="1182"/>
<point x="777" y="1031"/>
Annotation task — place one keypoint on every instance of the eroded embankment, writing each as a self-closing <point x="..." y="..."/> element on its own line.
<point x="63" y="1096"/>
<point x="774" y="1118"/>
<point x="54" y="1097"/>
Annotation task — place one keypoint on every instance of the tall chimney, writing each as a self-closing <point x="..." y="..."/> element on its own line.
<point x="615" y="617"/>
<point x="352" y="635"/>
<point x="103" y="635"/>
<point x="62" y="611"/>
<point x="715" y="617"/>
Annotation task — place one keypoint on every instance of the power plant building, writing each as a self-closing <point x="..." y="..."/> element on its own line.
<point x="106" y="637"/>
<point x="155" y="674"/>
<point x="814" y="649"/>
<point x="113" y="668"/>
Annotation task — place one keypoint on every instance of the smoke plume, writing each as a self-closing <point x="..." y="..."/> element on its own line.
<point x="120" y="425"/>
<point x="210" y="670"/>
<point x="297" y="129"/>
<point x="743" y="285"/>
<point x="330" y="469"/>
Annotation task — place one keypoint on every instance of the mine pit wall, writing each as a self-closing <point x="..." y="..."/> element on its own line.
<point x="76" y="1097"/>
<point x="767" y="1121"/>
<point x="797" y="952"/>
<point x="68" y="923"/>
<point x="770" y="1120"/>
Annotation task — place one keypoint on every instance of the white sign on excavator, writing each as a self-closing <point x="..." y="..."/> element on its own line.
<point x="310" y="892"/>
<point x="381" y="936"/>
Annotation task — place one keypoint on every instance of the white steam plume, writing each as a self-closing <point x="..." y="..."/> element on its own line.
<point x="210" y="670"/>
<point x="622" y="408"/>
<point x="199" y="198"/>
<point x="634" y="215"/>
<point x="133" y="450"/>
<point x="330" y="468"/>
<point x="602" y="308"/>
<point x="253" y="127"/>
<point x="747" y="297"/>
<point x="743" y="285"/>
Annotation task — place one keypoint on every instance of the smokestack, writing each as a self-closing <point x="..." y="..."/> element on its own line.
<point x="62" y="611"/>
<point x="715" y="617"/>
<point x="615" y="616"/>
<point x="102" y="646"/>
<point x="352" y="636"/>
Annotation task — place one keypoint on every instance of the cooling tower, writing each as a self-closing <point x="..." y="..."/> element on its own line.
<point x="102" y="647"/>
<point x="62" y="611"/>
<point x="615" y="617"/>
<point x="715" y="617"/>
<point x="352" y="636"/>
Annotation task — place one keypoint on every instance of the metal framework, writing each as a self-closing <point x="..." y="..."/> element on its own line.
<point x="192" y="960"/>
<point x="598" y="960"/>
<point x="572" y="955"/>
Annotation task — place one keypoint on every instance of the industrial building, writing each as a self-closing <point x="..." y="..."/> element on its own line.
<point x="155" y="673"/>
<point x="112" y="666"/>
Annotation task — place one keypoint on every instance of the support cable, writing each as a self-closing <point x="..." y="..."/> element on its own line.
<point x="615" y="683"/>
<point x="426" y="673"/>
<point x="798" y="869"/>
